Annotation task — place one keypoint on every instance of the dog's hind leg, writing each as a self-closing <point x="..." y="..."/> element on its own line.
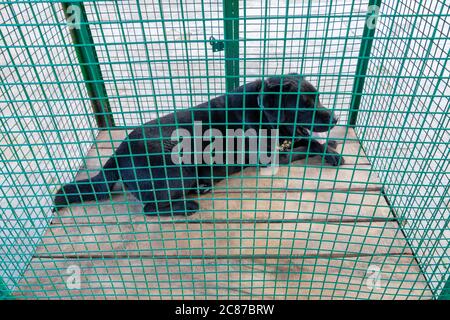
<point x="161" y="194"/>
<point x="181" y="207"/>
<point x="168" y="198"/>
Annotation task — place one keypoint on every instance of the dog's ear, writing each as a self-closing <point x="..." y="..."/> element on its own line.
<point x="308" y="93"/>
<point x="270" y="100"/>
<point x="278" y="84"/>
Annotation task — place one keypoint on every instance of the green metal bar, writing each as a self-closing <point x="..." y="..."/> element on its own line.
<point x="445" y="294"/>
<point x="363" y="63"/>
<point x="231" y="33"/>
<point x="5" y="293"/>
<point x="89" y="64"/>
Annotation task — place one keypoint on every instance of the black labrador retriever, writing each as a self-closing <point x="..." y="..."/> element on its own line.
<point x="287" y="105"/>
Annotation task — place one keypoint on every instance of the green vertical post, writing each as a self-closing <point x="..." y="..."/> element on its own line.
<point x="363" y="59"/>
<point x="231" y="24"/>
<point x="88" y="60"/>
<point x="4" y="291"/>
<point x="445" y="294"/>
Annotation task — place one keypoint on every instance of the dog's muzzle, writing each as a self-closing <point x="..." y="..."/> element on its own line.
<point x="301" y="131"/>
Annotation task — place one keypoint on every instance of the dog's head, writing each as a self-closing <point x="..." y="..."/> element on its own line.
<point x="292" y="101"/>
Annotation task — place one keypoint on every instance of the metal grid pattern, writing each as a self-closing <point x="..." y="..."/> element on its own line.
<point x="375" y="227"/>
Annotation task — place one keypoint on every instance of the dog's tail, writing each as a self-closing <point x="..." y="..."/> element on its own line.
<point x="95" y="188"/>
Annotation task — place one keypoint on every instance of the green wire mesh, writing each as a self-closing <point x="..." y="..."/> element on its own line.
<point x="376" y="227"/>
<point x="409" y="146"/>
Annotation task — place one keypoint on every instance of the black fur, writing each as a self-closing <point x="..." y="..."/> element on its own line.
<point x="143" y="160"/>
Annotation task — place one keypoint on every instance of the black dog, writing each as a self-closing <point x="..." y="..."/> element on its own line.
<point x="144" y="160"/>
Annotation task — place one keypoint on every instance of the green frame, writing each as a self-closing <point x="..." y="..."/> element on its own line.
<point x="231" y="32"/>
<point x="445" y="294"/>
<point x="361" y="67"/>
<point x="90" y="66"/>
<point x="5" y="293"/>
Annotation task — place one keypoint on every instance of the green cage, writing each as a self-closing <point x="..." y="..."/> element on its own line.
<point x="76" y="76"/>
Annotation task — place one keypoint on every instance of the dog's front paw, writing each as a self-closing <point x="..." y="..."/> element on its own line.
<point x="333" y="158"/>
